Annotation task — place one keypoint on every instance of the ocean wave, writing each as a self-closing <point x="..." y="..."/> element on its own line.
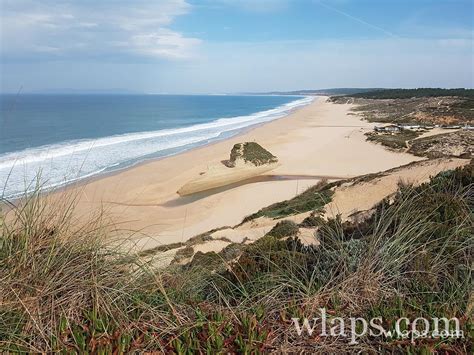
<point x="63" y="163"/>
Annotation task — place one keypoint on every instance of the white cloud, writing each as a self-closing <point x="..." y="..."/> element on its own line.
<point x="69" y="28"/>
<point x="266" y="66"/>
<point x="163" y="43"/>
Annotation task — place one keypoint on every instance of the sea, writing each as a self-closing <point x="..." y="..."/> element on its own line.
<point x="49" y="141"/>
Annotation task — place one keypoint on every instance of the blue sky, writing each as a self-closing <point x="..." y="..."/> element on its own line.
<point x="207" y="46"/>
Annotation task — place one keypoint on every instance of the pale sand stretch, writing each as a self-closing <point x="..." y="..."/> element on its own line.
<point x="350" y="199"/>
<point x="220" y="176"/>
<point x="315" y="141"/>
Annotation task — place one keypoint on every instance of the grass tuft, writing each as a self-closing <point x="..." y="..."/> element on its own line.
<point x="64" y="288"/>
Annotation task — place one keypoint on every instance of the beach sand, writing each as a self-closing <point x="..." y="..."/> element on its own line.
<point x="316" y="141"/>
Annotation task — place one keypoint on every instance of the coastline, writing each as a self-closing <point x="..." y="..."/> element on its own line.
<point x="89" y="168"/>
<point x="112" y="172"/>
<point x="312" y="141"/>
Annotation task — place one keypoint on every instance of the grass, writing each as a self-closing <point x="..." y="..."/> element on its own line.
<point x="411" y="93"/>
<point x="191" y="242"/>
<point x="314" y="198"/>
<point x="448" y="144"/>
<point x="63" y="288"/>
<point x="251" y="152"/>
<point x="394" y="141"/>
<point x="161" y="248"/>
<point x="409" y="108"/>
<point x="183" y="254"/>
<point x="285" y="228"/>
<point x="61" y="285"/>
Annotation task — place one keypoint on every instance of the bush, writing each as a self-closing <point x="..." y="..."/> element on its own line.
<point x="313" y="199"/>
<point x="312" y="220"/>
<point x="62" y="289"/>
<point x="61" y="286"/>
<point x="210" y="260"/>
<point x="283" y="229"/>
<point x="251" y="152"/>
<point x="184" y="253"/>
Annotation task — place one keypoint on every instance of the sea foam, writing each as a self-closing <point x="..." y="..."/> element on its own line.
<point x="55" y="165"/>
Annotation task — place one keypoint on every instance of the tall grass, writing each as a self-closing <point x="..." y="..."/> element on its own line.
<point x="63" y="286"/>
<point x="62" y="283"/>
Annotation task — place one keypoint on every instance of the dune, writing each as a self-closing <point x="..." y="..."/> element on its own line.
<point x="320" y="139"/>
<point x="218" y="176"/>
<point x="247" y="160"/>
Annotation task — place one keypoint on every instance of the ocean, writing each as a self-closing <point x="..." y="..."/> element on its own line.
<point x="53" y="140"/>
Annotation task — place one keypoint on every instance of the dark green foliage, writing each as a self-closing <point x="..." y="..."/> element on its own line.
<point x="460" y="143"/>
<point x="410" y="93"/>
<point x="419" y="245"/>
<point x="413" y="107"/>
<point x="220" y="332"/>
<point x="313" y="220"/>
<point x="210" y="260"/>
<point x="284" y="229"/>
<point x="313" y="198"/>
<point x="268" y="254"/>
<point x="251" y="152"/>
<point x="412" y="257"/>
<point x="161" y="248"/>
<point x="395" y="141"/>
<point x="232" y="251"/>
<point x="183" y="253"/>
<point x="334" y="91"/>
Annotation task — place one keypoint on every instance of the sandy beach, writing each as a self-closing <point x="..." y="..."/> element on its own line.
<point x="320" y="140"/>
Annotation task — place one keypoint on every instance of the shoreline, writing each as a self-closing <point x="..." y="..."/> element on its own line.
<point x="104" y="174"/>
<point x="314" y="141"/>
<point x="110" y="171"/>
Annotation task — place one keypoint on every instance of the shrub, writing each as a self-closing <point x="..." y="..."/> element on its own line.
<point x="313" y="220"/>
<point x="63" y="289"/>
<point x="61" y="286"/>
<point x="210" y="260"/>
<point x="251" y="152"/>
<point x="285" y="228"/>
<point x="183" y="254"/>
<point x="313" y="199"/>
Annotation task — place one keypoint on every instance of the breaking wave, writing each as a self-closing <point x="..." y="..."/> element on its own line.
<point x="66" y="162"/>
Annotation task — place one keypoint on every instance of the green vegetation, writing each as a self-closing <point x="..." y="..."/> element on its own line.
<point x="251" y="152"/>
<point x="62" y="289"/>
<point x="458" y="143"/>
<point x="209" y="261"/>
<point x="411" y="93"/>
<point x="183" y="254"/>
<point x="313" y="220"/>
<point x="197" y="239"/>
<point x="161" y="248"/>
<point x="313" y="198"/>
<point x="284" y="229"/>
<point x="414" y="106"/>
<point x="397" y="140"/>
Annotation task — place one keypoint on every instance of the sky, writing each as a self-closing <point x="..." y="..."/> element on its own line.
<point x="226" y="46"/>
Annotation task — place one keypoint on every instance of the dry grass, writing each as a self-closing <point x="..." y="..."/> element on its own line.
<point x="57" y="275"/>
<point x="64" y="288"/>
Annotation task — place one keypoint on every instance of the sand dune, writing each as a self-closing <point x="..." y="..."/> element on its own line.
<point x="221" y="176"/>
<point x="317" y="140"/>
<point x="349" y="199"/>
<point x="353" y="198"/>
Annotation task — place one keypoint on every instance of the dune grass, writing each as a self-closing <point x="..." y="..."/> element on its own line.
<point x="313" y="199"/>
<point x="251" y="152"/>
<point x="64" y="287"/>
<point x="395" y="141"/>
